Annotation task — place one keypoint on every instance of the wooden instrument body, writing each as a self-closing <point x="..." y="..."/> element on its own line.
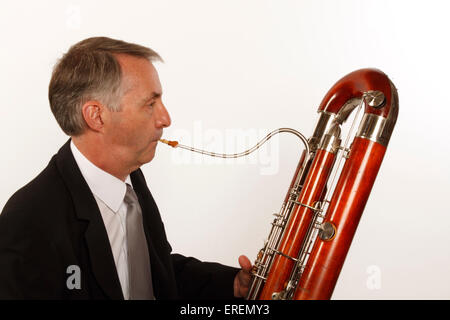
<point x="320" y="273"/>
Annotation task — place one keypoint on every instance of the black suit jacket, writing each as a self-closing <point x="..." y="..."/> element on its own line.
<point x="54" y="222"/>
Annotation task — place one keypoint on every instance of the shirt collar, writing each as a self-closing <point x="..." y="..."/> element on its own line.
<point x="105" y="186"/>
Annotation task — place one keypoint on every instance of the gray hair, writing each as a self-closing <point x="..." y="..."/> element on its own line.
<point x="89" y="70"/>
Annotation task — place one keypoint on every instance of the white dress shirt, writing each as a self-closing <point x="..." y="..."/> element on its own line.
<point x="109" y="192"/>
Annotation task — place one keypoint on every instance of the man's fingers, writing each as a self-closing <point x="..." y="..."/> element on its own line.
<point x="245" y="263"/>
<point x="242" y="279"/>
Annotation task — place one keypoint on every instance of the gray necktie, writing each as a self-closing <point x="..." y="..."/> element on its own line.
<point x="139" y="273"/>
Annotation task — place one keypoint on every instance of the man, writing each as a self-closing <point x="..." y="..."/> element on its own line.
<point x="87" y="227"/>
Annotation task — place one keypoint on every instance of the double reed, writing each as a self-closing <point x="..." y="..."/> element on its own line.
<point x="312" y="233"/>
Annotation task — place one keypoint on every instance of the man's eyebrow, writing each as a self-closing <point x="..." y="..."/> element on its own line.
<point x="152" y="96"/>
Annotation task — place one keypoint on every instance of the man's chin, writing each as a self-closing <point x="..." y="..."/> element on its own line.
<point x="148" y="156"/>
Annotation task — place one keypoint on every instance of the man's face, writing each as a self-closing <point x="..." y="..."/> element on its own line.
<point x="133" y="132"/>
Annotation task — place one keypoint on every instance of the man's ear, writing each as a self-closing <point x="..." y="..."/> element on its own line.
<point x="93" y="111"/>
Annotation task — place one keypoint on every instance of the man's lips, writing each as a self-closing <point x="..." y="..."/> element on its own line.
<point x="157" y="138"/>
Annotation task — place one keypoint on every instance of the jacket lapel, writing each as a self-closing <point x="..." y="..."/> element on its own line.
<point x="86" y="208"/>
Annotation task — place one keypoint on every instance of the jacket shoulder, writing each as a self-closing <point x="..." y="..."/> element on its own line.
<point x="39" y="199"/>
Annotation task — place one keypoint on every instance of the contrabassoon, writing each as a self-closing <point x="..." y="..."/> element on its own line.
<point x="312" y="233"/>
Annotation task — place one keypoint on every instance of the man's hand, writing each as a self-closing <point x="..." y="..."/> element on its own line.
<point x="242" y="279"/>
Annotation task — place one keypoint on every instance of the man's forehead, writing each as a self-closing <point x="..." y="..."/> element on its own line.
<point x="139" y="73"/>
<point x="131" y="65"/>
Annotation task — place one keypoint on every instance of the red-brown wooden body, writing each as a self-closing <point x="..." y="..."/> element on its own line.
<point x="346" y="207"/>
<point x="320" y="274"/>
<point x="298" y="224"/>
<point x="354" y="85"/>
<point x="299" y="167"/>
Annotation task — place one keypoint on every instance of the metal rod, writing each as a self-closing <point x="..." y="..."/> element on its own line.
<point x="175" y="144"/>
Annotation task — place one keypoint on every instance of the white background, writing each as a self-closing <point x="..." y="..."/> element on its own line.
<point x="258" y="66"/>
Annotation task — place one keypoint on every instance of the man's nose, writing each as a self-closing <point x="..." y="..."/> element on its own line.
<point x="163" y="119"/>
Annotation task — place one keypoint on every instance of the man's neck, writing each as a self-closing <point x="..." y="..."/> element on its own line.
<point x="96" y="152"/>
